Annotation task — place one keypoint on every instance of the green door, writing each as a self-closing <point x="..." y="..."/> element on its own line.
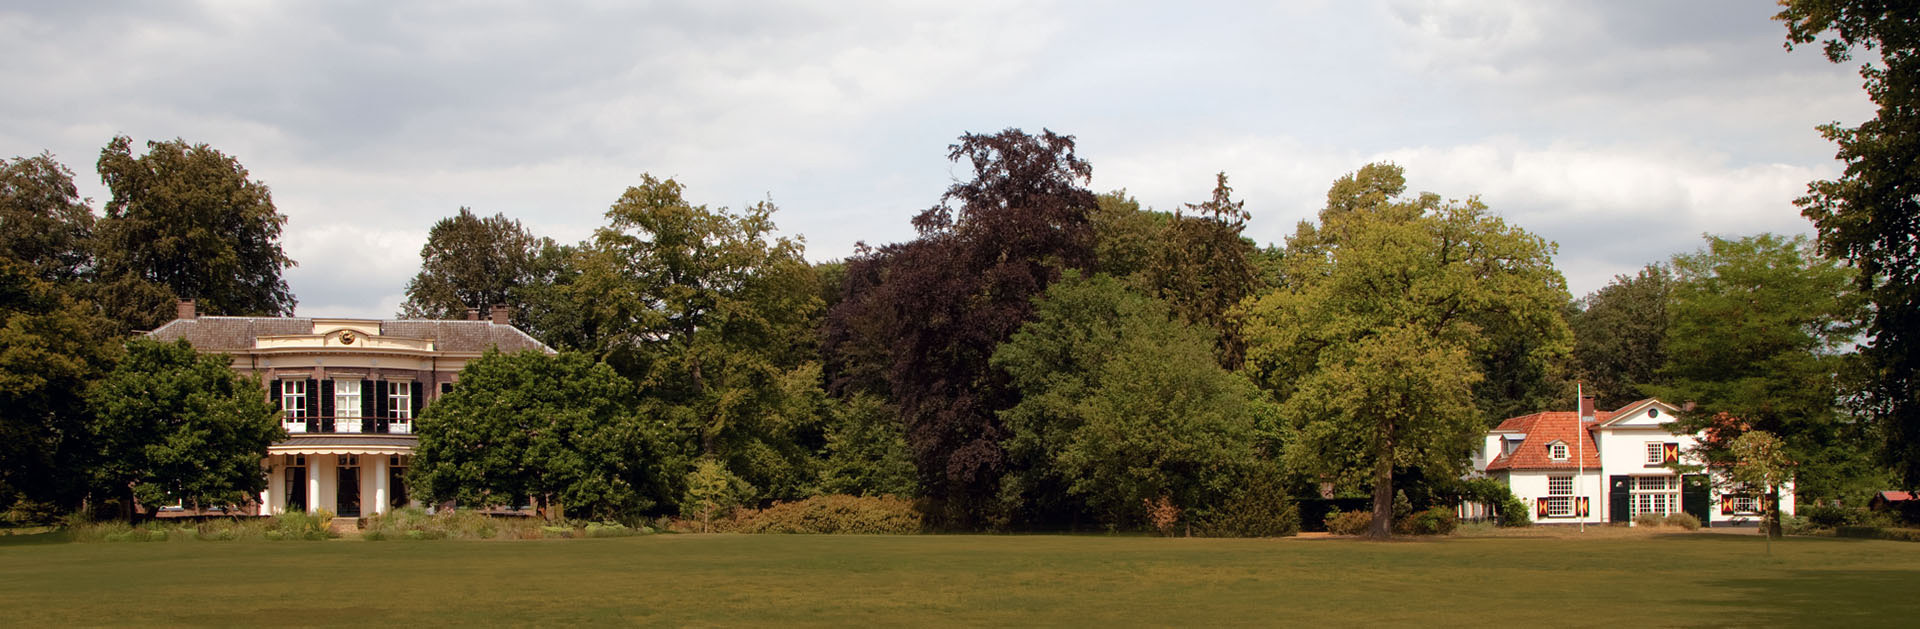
<point x="1696" y="497"/>
<point x="1620" y="499"/>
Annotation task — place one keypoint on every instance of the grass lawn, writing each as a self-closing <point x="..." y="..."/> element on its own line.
<point x="1610" y="579"/>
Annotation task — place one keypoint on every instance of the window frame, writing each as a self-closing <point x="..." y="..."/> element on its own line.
<point x="342" y="408"/>
<point x="400" y="400"/>
<point x="293" y="401"/>
<point x="1654" y="494"/>
<point x="1559" y="451"/>
<point x="1656" y="453"/>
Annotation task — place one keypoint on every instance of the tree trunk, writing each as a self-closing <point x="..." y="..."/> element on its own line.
<point x="1382" y="525"/>
<point x="1773" y="514"/>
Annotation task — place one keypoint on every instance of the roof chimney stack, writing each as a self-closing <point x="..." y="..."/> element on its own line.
<point x="500" y="313"/>
<point x="1586" y="408"/>
<point x="473" y="314"/>
<point x="186" y="310"/>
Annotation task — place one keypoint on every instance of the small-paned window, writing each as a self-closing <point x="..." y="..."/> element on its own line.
<point x="1656" y="453"/>
<point x="346" y="399"/>
<point x="1559" y="485"/>
<point x="1557" y="451"/>
<point x="400" y="400"/>
<point x="293" y="399"/>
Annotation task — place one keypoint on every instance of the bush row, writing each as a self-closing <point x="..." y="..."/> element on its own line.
<point x="1877" y="532"/>
<point x="1682" y="520"/>
<point x="1431" y="521"/>
<point x="413" y="523"/>
<point x="866" y="515"/>
<point x="285" y="527"/>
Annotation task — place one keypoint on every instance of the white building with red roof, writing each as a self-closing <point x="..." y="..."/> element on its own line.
<point x="1598" y="467"/>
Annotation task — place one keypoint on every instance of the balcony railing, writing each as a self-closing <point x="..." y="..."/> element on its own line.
<point x="347" y="425"/>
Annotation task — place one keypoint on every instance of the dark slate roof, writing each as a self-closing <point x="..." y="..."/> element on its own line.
<point x="229" y="333"/>
<point x="238" y="333"/>
<point x="463" y="336"/>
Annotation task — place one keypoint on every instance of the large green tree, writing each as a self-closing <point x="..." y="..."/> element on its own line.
<point x="1761" y="330"/>
<point x="43" y="221"/>
<point x="171" y="424"/>
<point x="51" y="349"/>
<point x="920" y="319"/>
<point x="474" y="262"/>
<point x="555" y="430"/>
<point x="1391" y="312"/>
<point x="1620" y="334"/>
<point x="1122" y="403"/>
<point x="1870" y="216"/>
<point x="713" y="315"/>
<point x="186" y="217"/>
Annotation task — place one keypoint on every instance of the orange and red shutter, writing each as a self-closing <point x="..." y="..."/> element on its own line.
<point x="1670" y="452"/>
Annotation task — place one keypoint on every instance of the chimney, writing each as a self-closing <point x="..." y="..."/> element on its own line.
<point x="186" y="310"/>
<point x="473" y="314"/>
<point x="1586" y="408"/>
<point x="500" y="312"/>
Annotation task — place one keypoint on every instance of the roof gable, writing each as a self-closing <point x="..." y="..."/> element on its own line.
<point x="1647" y="413"/>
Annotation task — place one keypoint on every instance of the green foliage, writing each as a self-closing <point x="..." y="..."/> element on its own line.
<point x="43" y="221"/>
<point x="1831" y="516"/>
<point x="1876" y="532"/>
<point x="415" y="524"/>
<point x="1348" y="522"/>
<point x="1759" y="331"/>
<point x="1683" y="520"/>
<point x="553" y="429"/>
<point x="866" y="454"/>
<point x="474" y="262"/>
<point x="1259" y="507"/>
<point x="1620" y="335"/>
<point x="1401" y="329"/>
<point x="713" y="316"/>
<point x="1429" y="521"/>
<point x="833" y="514"/>
<point x="174" y="425"/>
<point x="1649" y="519"/>
<point x="51" y="349"/>
<point x="1121" y="403"/>
<point x="186" y="217"/>
<point x="1870" y="216"/>
<point x="713" y="492"/>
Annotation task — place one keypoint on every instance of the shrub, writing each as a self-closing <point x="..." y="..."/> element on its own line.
<point x="1162" y="514"/>
<point x="1260" y="508"/>
<point x="612" y="529"/>
<point x="413" y="523"/>
<point x="1827" y="516"/>
<point x="1876" y="532"/>
<point x="1683" y="520"/>
<point x="1348" y="522"/>
<point x="300" y="525"/>
<point x="1648" y="519"/>
<point x="869" y="515"/>
<point x="1513" y="512"/>
<point x="1796" y="525"/>
<point x="1432" y="521"/>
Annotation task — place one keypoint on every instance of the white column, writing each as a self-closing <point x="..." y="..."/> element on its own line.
<point x="317" y="466"/>
<point x="380" y="488"/>
<point x="273" y="480"/>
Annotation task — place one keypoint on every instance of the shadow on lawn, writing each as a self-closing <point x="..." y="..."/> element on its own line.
<point x="1817" y="598"/>
<point x="35" y="539"/>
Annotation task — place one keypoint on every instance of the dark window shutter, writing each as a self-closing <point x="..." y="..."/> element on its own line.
<point x="326" y="398"/>
<point x="273" y="394"/>
<point x="1620" y="500"/>
<point x="380" y="398"/>
<point x="313" y="391"/>
<point x="417" y="399"/>
<point x="368" y="406"/>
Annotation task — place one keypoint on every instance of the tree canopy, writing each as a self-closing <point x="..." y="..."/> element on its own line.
<point x="1620" y="334"/>
<point x="1870" y="216"/>
<point x="474" y="262"/>
<point x="171" y="424"/>
<point x="186" y="217"/>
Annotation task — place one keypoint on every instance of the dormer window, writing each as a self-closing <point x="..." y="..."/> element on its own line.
<point x="1557" y="451"/>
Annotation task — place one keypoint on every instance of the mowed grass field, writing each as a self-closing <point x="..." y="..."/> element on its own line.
<point x="1679" y="579"/>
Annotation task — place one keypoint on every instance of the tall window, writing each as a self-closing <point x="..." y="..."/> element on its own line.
<point x="346" y="399"/>
<point x="293" y="403"/>
<point x="1656" y="453"/>
<point x="1559" y="495"/>
<point x="400" y="400"/>
<point x="1655" y="494"/>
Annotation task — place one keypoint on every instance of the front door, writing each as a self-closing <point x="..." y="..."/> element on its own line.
<point x="1696" y="497"/>
<point x="296" y="488"/>
<point x="349" y="497"/>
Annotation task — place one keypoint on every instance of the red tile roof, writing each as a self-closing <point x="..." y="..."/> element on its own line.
<point x="1897" y="496"/>
<point x="1543" y="429"/>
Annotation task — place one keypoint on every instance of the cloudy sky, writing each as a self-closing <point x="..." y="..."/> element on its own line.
<point x="1620" y="130"/>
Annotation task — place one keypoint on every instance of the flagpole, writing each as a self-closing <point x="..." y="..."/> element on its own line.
<point x="1580" y="442"/>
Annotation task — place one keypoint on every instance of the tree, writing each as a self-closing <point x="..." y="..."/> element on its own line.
<point x="1620" y="335"/>
<point x="866" y="453"/>
<point x="1870" y="216"/>
<point x="1761" y="460"/>
<point x="1204" y="268"/>
<point x="187" y="218"/>
<point x="474" y="262"/>
<point x="1392" y="312"/>
<point x="556" y="430"/>
<point x="712" y="491"/>
<point x="43" y="221"/>
<point x="713" y="316"/>
<point x="1760" y="328"/>
<point x="51" y="349"/>
<point x="172" y="425"/>
<point x="1122" y="406"/>
<point x="924" y="316"/>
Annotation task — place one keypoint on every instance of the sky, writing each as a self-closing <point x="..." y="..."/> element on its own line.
<point x="1621" y="130"/>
